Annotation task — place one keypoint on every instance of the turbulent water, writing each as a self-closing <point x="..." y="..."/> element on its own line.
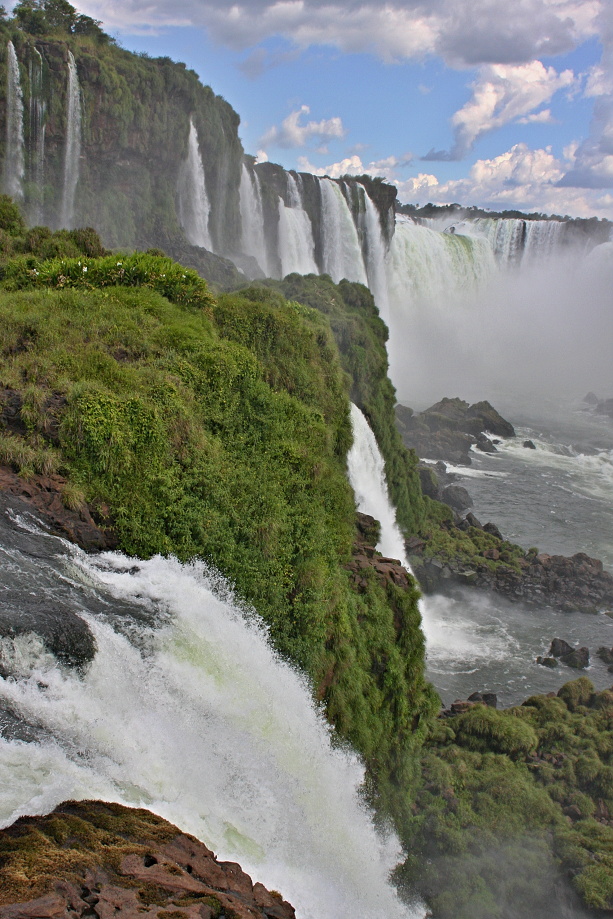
<point x="186" y="710"/>
<point x="14" y="162"/>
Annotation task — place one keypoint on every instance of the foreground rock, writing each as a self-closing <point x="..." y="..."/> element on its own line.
<point x="450" y="428"/>
<point x="102" y="860"/>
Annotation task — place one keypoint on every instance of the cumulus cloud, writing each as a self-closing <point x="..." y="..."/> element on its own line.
<point x="292" y="133"/>
<point x="352" y="165"/>
<point x="464" y="34"/>
<point x="520" y="178"/>
<point x="502" y="94"/>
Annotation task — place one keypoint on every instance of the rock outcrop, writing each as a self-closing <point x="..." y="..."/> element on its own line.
<point x="450" y="428"/>
<point x="92" y="859"/>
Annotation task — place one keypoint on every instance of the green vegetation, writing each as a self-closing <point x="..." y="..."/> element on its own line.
<point x="514" y="802"/>
<point x="218" y="428"/>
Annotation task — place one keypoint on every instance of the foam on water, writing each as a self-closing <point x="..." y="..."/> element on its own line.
<point x="196" y="718"/>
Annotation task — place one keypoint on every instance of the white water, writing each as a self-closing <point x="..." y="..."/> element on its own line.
<point x="342" y="255"/>
<point x="296" y="244"/>
<point x="194" y="206"/>
<point x="366" y="470"/>
<point x="253" y="237"/>
<point x="72" y="150"/>
<point x="195" y="718"/>
<point x="375" y="254"/>
<point x="14" y="162"/>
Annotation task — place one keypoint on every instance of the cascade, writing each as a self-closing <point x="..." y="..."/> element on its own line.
<point x="375" y="253"/>
<point x="14" y="161"/>
<point x="342" y="254"/>
<point x="366" y="470"/>
<point x="296" y="243"/>
<point x="38" y="112"/>
<point x="185" y="709"/>
<point x="253" y="237"/>
<point x="515" y="241"/>
<point x="72" y="151"/>
<point x="194" y="206"/>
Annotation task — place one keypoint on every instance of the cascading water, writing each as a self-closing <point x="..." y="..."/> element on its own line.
<point x="38" y="112"/>
<point x="194" y="206"/>
<point x="516" y="241"/>
<point x="14" y="161"/>
<point x="253" y="235"/>
<point x="186" y="710"/>
<point x="366" y="470"/>
<point x="375" y="254"/>
<point x="342" y="254"/>
<point x="296" y="244"/>
<point x="72" y="151"/>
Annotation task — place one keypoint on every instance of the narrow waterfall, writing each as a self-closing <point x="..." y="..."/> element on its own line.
<point x="38" y="112"/>
<point x="185" y="709"/>
<point x="253" y="234"/>
<point x="367" y="476"/>
<point x="375" y="254"/>
<point x="342" y="254"/>
<point x="72" y="151"/>
<point x="194" y="206"/>
<point x="296" y="243"/>
<point x="14" y="160"/>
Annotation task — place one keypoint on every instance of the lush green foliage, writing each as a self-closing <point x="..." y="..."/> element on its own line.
<point x="221" y="433"/>
<point x="361" y="335"/>
<point x="512" y="801"/>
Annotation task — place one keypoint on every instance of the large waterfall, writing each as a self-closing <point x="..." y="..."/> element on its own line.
<point x="184" y="709"/>
<point x="194" y="206"/>
<point x="14" y="162"/>
<point x="72" y="150"/>
<point x="252" y="219"/>
<point x="296" y="243"/>
<point x="342" y="251"/>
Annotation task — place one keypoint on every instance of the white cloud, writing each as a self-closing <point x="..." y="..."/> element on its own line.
<point x="465" y="34"/>
<point x="502" y="94"/>
<point x="542" y="117"/>
<point x="521" y="179"/>
<point x="291" y="133"/>
<point x="353" y="165"/>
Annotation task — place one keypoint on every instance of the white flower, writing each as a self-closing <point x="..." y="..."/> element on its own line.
<point x="84" y="267"/>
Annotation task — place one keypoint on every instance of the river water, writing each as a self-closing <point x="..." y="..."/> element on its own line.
<point x="558" y="497"/>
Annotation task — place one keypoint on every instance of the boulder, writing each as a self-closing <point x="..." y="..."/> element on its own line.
<point x="559" y="647"/>
<point x="529" y="445"/>
<point x="591" y="399"/>
<point x="547" y="662"/>
<point x="457" y="497"/>
<point x="579" y="659"/>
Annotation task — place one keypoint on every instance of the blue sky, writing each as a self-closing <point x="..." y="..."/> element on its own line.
<point x="477" y="101"/>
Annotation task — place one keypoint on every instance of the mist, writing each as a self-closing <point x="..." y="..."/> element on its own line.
<point x="536" y="332"/>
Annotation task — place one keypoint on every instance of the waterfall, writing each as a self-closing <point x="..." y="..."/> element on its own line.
<point x="296" y="243"/>
<point x="194" y="206"/>
<point x="367" y="476"/>
<point x="14" y="161"/>
<point x="342" y="255"/>
<point x="185" y="709"/>
<point x="72" y="151"/>
<point x="38" y="112"/>
<point x="515" y="241"/>
<point x="375" y="254"/>
<point x="253" y="236"/>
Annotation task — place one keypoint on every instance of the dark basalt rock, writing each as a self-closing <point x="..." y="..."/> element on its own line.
<point x="456" y="497"/>
<point x="488" y="698"/>
<point x="529" y="445"/>
<point x="547" y="662"/>
<point x="579" y="659"/>
<point x="591" y="399"/>
<point x="62" y="631"/>
<point x="559" y="647"/>
<point x="449" y="429"/>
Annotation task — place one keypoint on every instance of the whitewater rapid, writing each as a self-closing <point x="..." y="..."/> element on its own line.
<point x="186" y="710"/>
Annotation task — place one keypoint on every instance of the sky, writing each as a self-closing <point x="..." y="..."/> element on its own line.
<point x="485" y="102"/>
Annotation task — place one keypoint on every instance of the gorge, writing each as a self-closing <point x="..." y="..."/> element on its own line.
<point x="213" y="423"/>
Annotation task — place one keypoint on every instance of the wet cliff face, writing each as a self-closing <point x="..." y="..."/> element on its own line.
<point x="135" y="122"/>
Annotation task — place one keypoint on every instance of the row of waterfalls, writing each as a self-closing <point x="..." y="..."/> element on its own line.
<point x="24" y="177"/>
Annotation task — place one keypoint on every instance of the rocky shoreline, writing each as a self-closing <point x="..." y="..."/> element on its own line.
<point x="94" y="859"/>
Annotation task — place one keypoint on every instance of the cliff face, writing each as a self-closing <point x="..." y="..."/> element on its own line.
<point x="92" y="135"/>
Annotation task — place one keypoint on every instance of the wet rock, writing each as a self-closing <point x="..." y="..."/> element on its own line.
<point x="61" y="630"/>
<point x="605" y="655"/>
<point x="123" y="863"/>
<point x="591" y="399"/>
<point x="559" y="647"/>
<point x="579" y="659"/>
<point x="457" y="497"/>
<point x="488" y="698"/>
<point x="529" y="445"/>
<point x="547" y="662"/>
<point x="493" y="530"/>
